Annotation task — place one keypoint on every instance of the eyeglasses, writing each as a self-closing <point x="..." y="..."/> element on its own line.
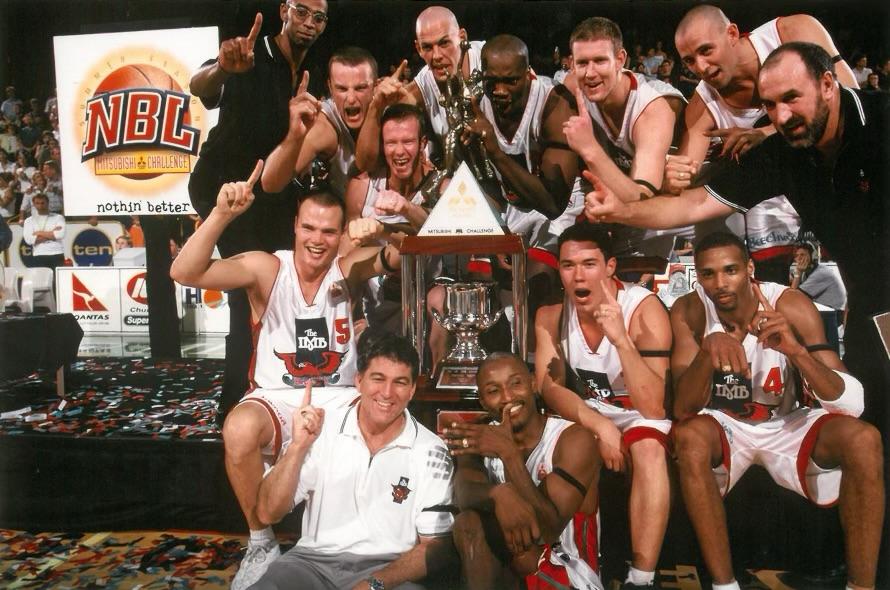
<point x="303" y="12"/>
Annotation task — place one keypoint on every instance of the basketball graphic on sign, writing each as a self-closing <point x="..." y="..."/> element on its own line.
<point x="212" y="298"/>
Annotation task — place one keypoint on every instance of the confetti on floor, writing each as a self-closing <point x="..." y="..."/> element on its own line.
<point x="119" y="397"/>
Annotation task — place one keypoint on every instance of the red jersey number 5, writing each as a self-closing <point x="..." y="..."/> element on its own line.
<point x="341" y="328"/>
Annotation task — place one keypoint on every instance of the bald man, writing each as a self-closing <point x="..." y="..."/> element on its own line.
<point x="726" y="114"/>
<point x="438" y="39"/>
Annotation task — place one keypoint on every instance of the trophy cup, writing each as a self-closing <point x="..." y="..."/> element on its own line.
<point x="467" y="312"/>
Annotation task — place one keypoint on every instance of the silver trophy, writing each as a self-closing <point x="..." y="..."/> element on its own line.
<point x="467" y="313"/>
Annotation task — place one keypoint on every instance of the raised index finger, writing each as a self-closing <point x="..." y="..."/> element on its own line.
<point x="579" y="101"/>
<point x="255" y="29"/>
<point x="760" y="296"/>
<point x="255" y="175"/>
<point x="304" y="83"/>
<point x="307" y="394"/>
<point x="609" y="297"/>
<point x="397" y="75"/>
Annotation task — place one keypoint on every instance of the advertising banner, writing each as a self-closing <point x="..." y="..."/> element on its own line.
<point x="130" y="131"/>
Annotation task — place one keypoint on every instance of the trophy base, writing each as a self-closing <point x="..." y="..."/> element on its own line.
<point x="458" y="377"/>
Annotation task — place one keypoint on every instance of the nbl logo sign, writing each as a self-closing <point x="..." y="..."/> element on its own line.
<point x="137" y="124"/>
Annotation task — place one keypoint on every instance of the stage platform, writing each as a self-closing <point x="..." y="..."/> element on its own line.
<point x="134" y="445"/>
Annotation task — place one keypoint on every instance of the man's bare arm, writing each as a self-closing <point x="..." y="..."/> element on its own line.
<point x="644" y="377"/>
<point x="691" y="368"/>
<point x="425" y="557"/>
<point x="803" y="27"/>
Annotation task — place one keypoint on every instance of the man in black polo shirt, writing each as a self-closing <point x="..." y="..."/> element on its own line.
<point x="251" y="81"/>
<point x="831" y="158"/>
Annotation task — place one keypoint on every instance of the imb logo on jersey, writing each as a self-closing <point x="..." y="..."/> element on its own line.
<point x="596" y="385"/>
<point x="136" y="124"/>
<point x="400" y="491"/>
<point x="731" y="393"/>
<point x="312" y="360"/>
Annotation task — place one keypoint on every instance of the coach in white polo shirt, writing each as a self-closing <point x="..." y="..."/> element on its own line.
<point x="44" y="232"/>
<point x="377" y="484"/>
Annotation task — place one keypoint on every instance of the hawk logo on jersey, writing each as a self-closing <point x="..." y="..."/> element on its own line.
<point x="596" y="385"/>
<point x="400" y="491"/>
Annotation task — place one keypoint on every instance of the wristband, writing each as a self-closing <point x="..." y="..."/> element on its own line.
<point x="851" y="400"/>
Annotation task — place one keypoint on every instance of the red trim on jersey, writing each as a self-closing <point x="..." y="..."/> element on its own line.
<point x="633" y="80"/>
<point x="255" y="337"/>
<point x="803" y="456"/>
<point x="772" y="252"/>
<point x="638" y="433"/>
<point x="586" y="537"/>
<point x="543" y="256"/>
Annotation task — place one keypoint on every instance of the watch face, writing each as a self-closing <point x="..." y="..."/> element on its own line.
<point x="375" y="584"/>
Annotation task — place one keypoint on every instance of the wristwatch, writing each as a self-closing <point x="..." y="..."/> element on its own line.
<point x="375" y="584"/>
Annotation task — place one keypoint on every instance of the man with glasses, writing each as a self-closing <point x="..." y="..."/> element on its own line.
<point x="251" y="81"/>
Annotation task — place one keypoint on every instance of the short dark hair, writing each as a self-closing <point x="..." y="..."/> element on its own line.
<point x="400" y="111"/>
<point x="596" y="28"/>
<point x="816" y="59"/>
<point x="40" y="196"/>
<point x="324" y="198"/>
<point x="585" y="231"/>
<point x="376" y="343"/>
<point x="721" y="239"/>
<point x="498" y="356"/>
<point x="350" y="55"/>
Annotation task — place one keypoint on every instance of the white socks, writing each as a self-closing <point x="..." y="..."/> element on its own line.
<point x="639" y="577"/>
<point x="265" y="535"/>
<point x="734" y="585"/>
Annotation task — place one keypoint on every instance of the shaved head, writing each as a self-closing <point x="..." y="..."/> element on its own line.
<point x="506" y="45"/>
<point x="708" y="15"/>
<point x="435" y="15"/>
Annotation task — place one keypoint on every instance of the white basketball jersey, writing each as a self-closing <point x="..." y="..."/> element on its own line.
<point x="341" y="166"/>
<point x="539" y="465"/>
<point x="621" y="150"/>
<point x="598" y="374"/>
<point x="429" y="90"/>
<point x="298" y="341"/>
<point x="375" y="187"/>
<point x="772" y="389"/>
<point x="773" y="222"/>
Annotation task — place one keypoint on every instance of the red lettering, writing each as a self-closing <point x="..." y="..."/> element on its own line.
<point x="773" y="383"/>
<point x="143" y="112"/>
<point x="103" y="124"/>
<point x="175" y="134"/>
<point x="341" y="327"/>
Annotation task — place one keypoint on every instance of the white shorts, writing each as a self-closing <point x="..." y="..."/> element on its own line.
<point x="281" y="404"/>
<point x="633" y="426"/>
<point x="783" y="447"/>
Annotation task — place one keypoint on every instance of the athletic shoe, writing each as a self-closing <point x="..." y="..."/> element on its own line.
<point x="256" y="561"/>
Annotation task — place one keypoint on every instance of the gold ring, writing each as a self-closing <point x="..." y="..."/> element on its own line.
<point x="465" y="443"/>
<point x="726" y="368"/>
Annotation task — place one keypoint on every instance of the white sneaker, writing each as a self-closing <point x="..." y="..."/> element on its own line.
<point x="256" y="561"/>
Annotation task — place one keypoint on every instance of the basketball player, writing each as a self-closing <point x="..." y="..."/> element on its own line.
<point x="726" y="112"/>
<point x="740" y="349"/>
<point x="394" y="200"/>
<point x="625" y="124"/>
<point x="301" y="312"/>
<point x="330" y="139"/>
<point x="527" y="481"/>
<point x="438" y="39"/>
<point x="601" y="360"/>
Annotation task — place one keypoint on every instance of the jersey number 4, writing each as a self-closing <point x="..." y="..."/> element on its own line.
<point x="773" y="383"/>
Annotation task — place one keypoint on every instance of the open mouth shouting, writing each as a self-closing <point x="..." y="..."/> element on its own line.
<point x="352" y="115"/>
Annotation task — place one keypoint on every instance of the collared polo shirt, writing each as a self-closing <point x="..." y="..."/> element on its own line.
<point x="374" y="504"/>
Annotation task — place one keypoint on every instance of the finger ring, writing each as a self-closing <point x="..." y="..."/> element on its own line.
<point x="465" y="443"/>
<point x="484" y="133"/>
<point x="726" y="368"/>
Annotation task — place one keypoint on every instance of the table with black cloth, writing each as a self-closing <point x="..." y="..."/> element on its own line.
<point x="38" y="342"/>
